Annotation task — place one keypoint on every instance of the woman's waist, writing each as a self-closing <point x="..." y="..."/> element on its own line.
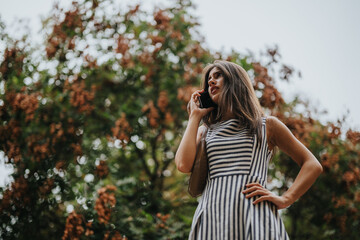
<point x="238" y="178"/>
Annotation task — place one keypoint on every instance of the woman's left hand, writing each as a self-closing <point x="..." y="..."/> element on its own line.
<point x="256" y="189"/>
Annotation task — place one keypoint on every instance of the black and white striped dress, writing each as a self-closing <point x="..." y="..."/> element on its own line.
<point x="235" y="159"/>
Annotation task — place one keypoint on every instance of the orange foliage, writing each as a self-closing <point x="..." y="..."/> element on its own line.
<point x="89" y="230"/>
<point x="127" y="61"/>
<point x="134" y="10"/>
<point x="162" y="20"/>
<point x="122" y="45"/>
<point x="176" y="35"/>
<point x="152" y="114"/>
<point x="184" y="93"/>
<point x="163" y="101"/>
<point x="80" y="98"/>
<point x="271" y="97"/>
<point x="12" y="59"/>
<point x="330" y="161"/>
<point x="77" y="149"/>
<point x="9" y="134"/>
<point x="122" y="129"/>
<point x="90" y="61"/>
<point x="46" y="188"/>
<point x="60" y="165"/>
<point x="17" y="195"/>
<point x="115" y="236"/>
<point x="38" y="147"/>
<point x="102" y="170"/>
<point x="73" y="227"/>
<point x="157" y="39"/>
<point x="357" y="197"/>
<point x="342" y="223"/>
<point x="13" y="151"/>
<point x="146" y="59"/>
<point x="168" y="118"/>
<point x="60" y="34"/>
<point x="104" y="203"/>
<point x="163" y="219"/>
<point x="353" y="136"/>
<point x="339" y="202"/>
<point x="22" y="102"/>
<point x="335" y="131"/>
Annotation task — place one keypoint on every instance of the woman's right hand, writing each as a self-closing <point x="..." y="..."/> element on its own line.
<point x="193" y="106"/>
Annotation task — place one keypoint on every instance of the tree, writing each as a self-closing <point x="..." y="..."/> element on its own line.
<point x="92" y="120"/>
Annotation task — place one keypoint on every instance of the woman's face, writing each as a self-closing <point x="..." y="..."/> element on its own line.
<point x="216" y="83"/>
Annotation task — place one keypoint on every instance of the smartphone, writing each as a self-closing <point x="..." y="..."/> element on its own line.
<point x="205" y="100"/>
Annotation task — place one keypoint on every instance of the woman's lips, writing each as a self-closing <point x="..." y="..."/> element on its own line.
<point x="214" y="90"/>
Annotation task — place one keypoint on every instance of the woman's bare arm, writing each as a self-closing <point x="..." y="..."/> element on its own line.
<point x="185" y="155"/>
<point x="282" y="137"/>
<point x="186" y="152"/>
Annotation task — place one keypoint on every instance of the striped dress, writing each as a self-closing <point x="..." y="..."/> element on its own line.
<point x="235" y="159"/>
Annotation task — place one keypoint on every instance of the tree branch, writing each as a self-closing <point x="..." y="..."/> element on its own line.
<point x="143" y="161"/>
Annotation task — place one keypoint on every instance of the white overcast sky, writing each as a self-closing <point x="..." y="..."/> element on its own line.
<point x="319" y="38"/>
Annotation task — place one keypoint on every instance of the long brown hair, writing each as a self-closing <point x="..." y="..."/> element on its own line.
<point x="237" y="96"/>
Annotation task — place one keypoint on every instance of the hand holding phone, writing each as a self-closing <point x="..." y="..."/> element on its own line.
<point x="206" y="101"/>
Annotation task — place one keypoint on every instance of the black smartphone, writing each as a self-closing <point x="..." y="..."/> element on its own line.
<point x="205" y="100"/>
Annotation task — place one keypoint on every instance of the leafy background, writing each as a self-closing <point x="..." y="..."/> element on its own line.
<point x="91" y="120"/>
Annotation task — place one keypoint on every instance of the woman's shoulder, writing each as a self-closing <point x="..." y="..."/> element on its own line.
<point x="273" y="122"/>
<point x="272" y="126"/>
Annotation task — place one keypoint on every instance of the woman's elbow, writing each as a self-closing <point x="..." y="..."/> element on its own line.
<point x="181" y="167"/>
<point x="318" y="168"/>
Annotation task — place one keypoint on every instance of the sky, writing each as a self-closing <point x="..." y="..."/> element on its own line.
<point x="321" y="39"/>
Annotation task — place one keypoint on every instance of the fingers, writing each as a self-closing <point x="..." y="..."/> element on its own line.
<point x="252" y="187"/>
<point x="194" y="103"/>
<point x="196" y="94"/>
<point x="257" y="193"/>
<point x="253" y="184"/>
<point x="256" y="189"/>
<point x="261" y="199"/>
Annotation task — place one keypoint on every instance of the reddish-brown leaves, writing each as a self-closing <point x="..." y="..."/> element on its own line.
<point x="122" y="129"/>
<point x="9" y="134"/>
<point x="74" y="227"/>
<point x="23" y="102"/>
<point x="122" y="45"/>
<point x="152" y="114"/>
<point x="80" y="98"/>
<point x="102" y="170"/>
<point x="353" y="136"/>
<point x="38" y="147"/>
<point x="162" y="20"/>
<point x="13" y="59"/>
<point x="163" y="101"/>
<point x="105" y="202"/>
<point x="64" y="31"/>
<point x="17" y="195"/>
<point x="271" y="97"/>
<point x="163" y="219"/>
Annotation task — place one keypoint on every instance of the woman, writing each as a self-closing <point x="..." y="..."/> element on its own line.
<point x="240" y="141"/>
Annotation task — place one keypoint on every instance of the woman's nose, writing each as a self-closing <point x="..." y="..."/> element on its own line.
<point x="211" y="82"/>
